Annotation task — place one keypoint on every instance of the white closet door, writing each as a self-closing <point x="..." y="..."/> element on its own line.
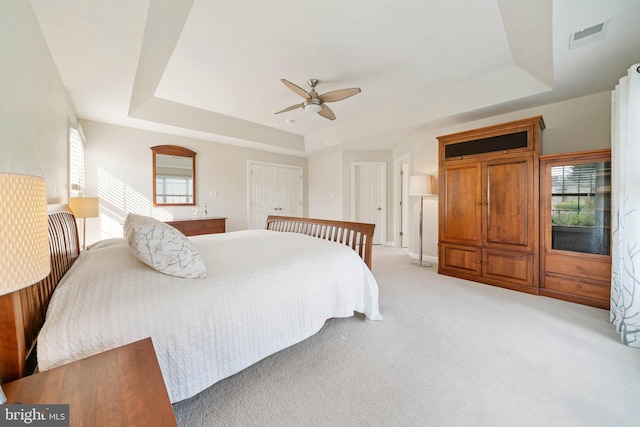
<point x="274" y="190"/>
<point x="289" y="191"/>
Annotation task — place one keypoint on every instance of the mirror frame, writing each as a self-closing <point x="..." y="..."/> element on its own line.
<point x="173" y="150"/>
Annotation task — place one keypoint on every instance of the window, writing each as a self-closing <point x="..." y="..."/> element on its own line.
<point x="76" y="161"/>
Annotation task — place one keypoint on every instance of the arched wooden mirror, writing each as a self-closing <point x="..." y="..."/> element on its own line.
<point x="174" y="176"/>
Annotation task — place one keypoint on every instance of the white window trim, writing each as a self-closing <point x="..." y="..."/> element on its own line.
<point x="76" y="183"/>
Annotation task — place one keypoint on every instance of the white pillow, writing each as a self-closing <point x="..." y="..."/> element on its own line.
<point x="163" y="247"/>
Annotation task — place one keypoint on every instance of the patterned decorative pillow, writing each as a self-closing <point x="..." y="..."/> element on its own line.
<point x="163" y="247"/>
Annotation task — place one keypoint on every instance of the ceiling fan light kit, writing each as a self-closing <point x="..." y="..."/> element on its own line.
<point x="315" y="103"/>
<point x="312" y="108"/>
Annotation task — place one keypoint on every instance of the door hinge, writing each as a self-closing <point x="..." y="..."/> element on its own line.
<point x="401" y="234"/>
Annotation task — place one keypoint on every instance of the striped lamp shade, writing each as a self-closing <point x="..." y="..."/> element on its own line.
<point x="24" y="238"/>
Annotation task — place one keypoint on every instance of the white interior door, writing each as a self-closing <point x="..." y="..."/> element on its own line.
<point x="273" y="190"/>
<point x="369" y="196"/>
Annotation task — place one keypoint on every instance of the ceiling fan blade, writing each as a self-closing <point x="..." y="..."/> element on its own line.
<point x="327" y="113"/>
<point x="297" y="89"/>
<point x="293" y="107"/>
<point x="338" y="95"/>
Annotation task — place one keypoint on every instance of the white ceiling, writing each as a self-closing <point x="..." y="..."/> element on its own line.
<point x="211" y="69"/>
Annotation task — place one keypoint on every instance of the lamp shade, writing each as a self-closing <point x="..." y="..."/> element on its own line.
<point x="24" y="236"/>
<point x="84" y="207"/>
<point x="421" y="185"/>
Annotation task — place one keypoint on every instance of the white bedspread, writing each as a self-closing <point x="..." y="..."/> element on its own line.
<point x="265" y="291"/>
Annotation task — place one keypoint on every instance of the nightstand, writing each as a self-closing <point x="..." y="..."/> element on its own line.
<point x="120" y="387"/>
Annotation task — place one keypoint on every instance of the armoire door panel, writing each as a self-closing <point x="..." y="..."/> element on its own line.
<point x="463" y="259"/>
<point x="512" y="267"/>
<point x="460" y="213"/>
<point x="508" y="208"/>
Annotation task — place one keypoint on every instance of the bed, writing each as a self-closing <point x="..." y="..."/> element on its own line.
<point x="265" y="290"/>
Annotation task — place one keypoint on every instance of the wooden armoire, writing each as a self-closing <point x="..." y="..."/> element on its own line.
<point x="488" y="204"/>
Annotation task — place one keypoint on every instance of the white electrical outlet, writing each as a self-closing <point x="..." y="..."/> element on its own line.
<point x="213" y="193"/>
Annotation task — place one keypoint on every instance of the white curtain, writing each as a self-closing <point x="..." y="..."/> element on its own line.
<point x="625" y="198"/>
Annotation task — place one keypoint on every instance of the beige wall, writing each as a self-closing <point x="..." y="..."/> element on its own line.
<point x="326" y="195"/>
<point x="574" y="125"/>
<point x="34" y="106"/>
<point x="118" y="170"/>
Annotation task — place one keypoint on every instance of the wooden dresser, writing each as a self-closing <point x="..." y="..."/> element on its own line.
<point x="120" y="387"/>
<point x="195" y="227"/>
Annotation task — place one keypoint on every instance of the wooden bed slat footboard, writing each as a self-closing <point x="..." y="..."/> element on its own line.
<point x="22" y="313"/>
<point x="357" y="235"/>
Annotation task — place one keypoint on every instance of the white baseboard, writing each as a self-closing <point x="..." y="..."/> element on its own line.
<point x="428" y="259"/>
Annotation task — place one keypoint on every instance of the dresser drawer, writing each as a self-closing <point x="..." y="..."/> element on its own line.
<point x="589" y="269"/>
<point x="576" y="287"/>
<point x="195" y="227"/>
<point x="211" y="226"/>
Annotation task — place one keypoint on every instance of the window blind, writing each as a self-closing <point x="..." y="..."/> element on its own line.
<point x="577" y="180"/>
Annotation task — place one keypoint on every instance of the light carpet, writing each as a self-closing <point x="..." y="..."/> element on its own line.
<point x="449" y="352"/>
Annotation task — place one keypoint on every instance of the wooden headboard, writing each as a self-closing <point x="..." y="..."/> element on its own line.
<point x="357" y="235"/>
<point x="22" y="313"/>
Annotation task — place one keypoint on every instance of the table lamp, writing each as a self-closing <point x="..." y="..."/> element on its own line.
<point x="421" y="185"/>
<point x="24" y="236"/>
<point x="84" y="207"/>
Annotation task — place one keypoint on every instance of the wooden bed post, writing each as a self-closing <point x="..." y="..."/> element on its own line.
<point x="22" y="313"/>
<point x="12" y="365"/>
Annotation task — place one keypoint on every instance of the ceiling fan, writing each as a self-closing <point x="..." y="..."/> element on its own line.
<point x="316" y="103"/>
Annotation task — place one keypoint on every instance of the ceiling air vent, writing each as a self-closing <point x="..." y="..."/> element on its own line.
<point x="588" y="35"/>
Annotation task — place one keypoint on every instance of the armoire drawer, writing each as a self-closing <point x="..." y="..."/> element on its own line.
<point x="576" y="287"/>
<point x="578" y="267"/>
